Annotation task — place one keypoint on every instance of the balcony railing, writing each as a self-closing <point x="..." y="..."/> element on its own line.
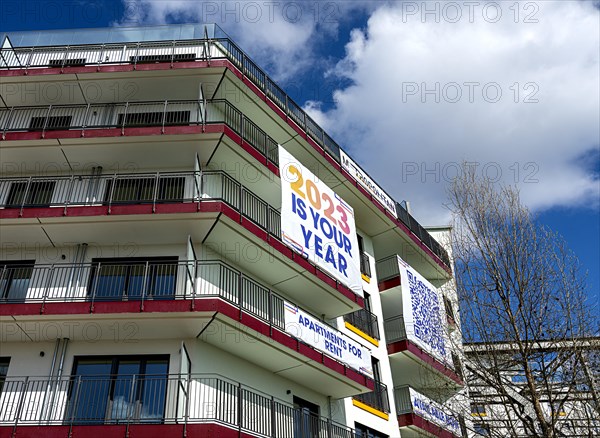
<point x="422" y="234"/>
<point x="123" y="115"/>
<point x="395" y="330"/>
<point x="215" y="45"/>
<point x="365" y="321"/>
<point x="377" y="399"/>
<point x="387" y="268"/>
<point x="409" y="401"/>
<point x="157" y="399"/>
<point x="141" y="282"/>
<point x="138" y="188"/>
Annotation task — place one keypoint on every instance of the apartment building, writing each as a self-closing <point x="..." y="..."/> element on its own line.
<point x="568" y="372"/>
<point x="185" y="252"/>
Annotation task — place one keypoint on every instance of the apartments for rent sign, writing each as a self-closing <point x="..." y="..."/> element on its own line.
<point x="317" y="223"/>
<point x="326" y="339"/>
<point x="423" y="307"/>
<point x="364" y="180"/>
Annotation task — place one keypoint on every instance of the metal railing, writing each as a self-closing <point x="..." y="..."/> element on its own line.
<point x="365" y="321"/>
<point x="387" y="268"/>
<point x="215" y="45"/>
<point x="417" y="229"/>
<point x="97" y="189"/>
<point x="123" y="115"/>
<point x="377" y="399"/>
<point x="138" y="188"/>
<point x="140" y="281"/>
<point x="157" y="399"/>
<point x="394" y="328"/>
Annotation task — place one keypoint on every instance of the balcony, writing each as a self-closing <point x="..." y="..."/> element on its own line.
<point x="152" y="405"/>
<point x="413" y="364"/>
<point x="388" y="274"/>
<point x="224" y="204"/>
<point x="377" y="400"/>
<point x="231" y="310"/>
<point x="171" y="117"/>
<point x="366" y="322"/>
<point x="417" y="414"/>
<point x="184" y="117"/>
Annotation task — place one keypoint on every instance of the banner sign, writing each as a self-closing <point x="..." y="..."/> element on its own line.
<point x="326" y="339"/>
<point x="364" y="180"/>
<point x="318" y="224"/>
<point x="423" y="312"/>
<point x="433" y="412"/>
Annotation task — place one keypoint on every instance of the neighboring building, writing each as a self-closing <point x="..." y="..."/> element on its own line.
<point x="150" y="284"/>
<point x="569" y="378"/>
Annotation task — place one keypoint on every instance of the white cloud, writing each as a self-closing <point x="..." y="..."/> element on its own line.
<point x="278" y="35"/>
<point x="409" y="141"/>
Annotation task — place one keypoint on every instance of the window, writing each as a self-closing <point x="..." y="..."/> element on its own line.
<point x="363" y="431"/>
<point x="14" y="279"/>
<point x="131" y="278"/>
<point x="117" y="389"/>
<point x="4" y="361"/>
<point x="141" y="190"/>
<point x="69" y="62"/>
<point x="52" y="122"/>
<point x="482" y="429"/>
<point x="478" y="409"/>
<point x="306" y="418"/>
<point x="177" y="57"/>
<point x="449" y="308"/>
<point x="558" y="409"/>
<point x="154" y="118"/>
<point x="365" y="267"/>
<point x="30" y="194"/>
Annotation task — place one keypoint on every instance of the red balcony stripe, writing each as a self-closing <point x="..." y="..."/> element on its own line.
<point x="389" y="283"/>
<point x="405" y="420"/>
<point x="120" y="431"/>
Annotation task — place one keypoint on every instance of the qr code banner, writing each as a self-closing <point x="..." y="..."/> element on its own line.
<point x="423" y="313"/>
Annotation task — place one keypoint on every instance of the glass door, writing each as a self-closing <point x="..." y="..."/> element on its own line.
<point x="306" y="418"/>
<point x="118" y="389"/>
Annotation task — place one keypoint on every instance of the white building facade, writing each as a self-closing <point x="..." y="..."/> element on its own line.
<point x="165" y="273"/>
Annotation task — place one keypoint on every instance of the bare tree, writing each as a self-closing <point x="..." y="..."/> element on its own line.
<point x="525" y="316"/>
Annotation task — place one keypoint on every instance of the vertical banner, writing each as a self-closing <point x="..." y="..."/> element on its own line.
<point x="317" y="223"/>
<point x="326" y="339"/>
<point x="423" y="310"/>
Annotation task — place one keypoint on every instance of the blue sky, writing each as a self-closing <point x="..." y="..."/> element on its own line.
<point x="411" y="89"/>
